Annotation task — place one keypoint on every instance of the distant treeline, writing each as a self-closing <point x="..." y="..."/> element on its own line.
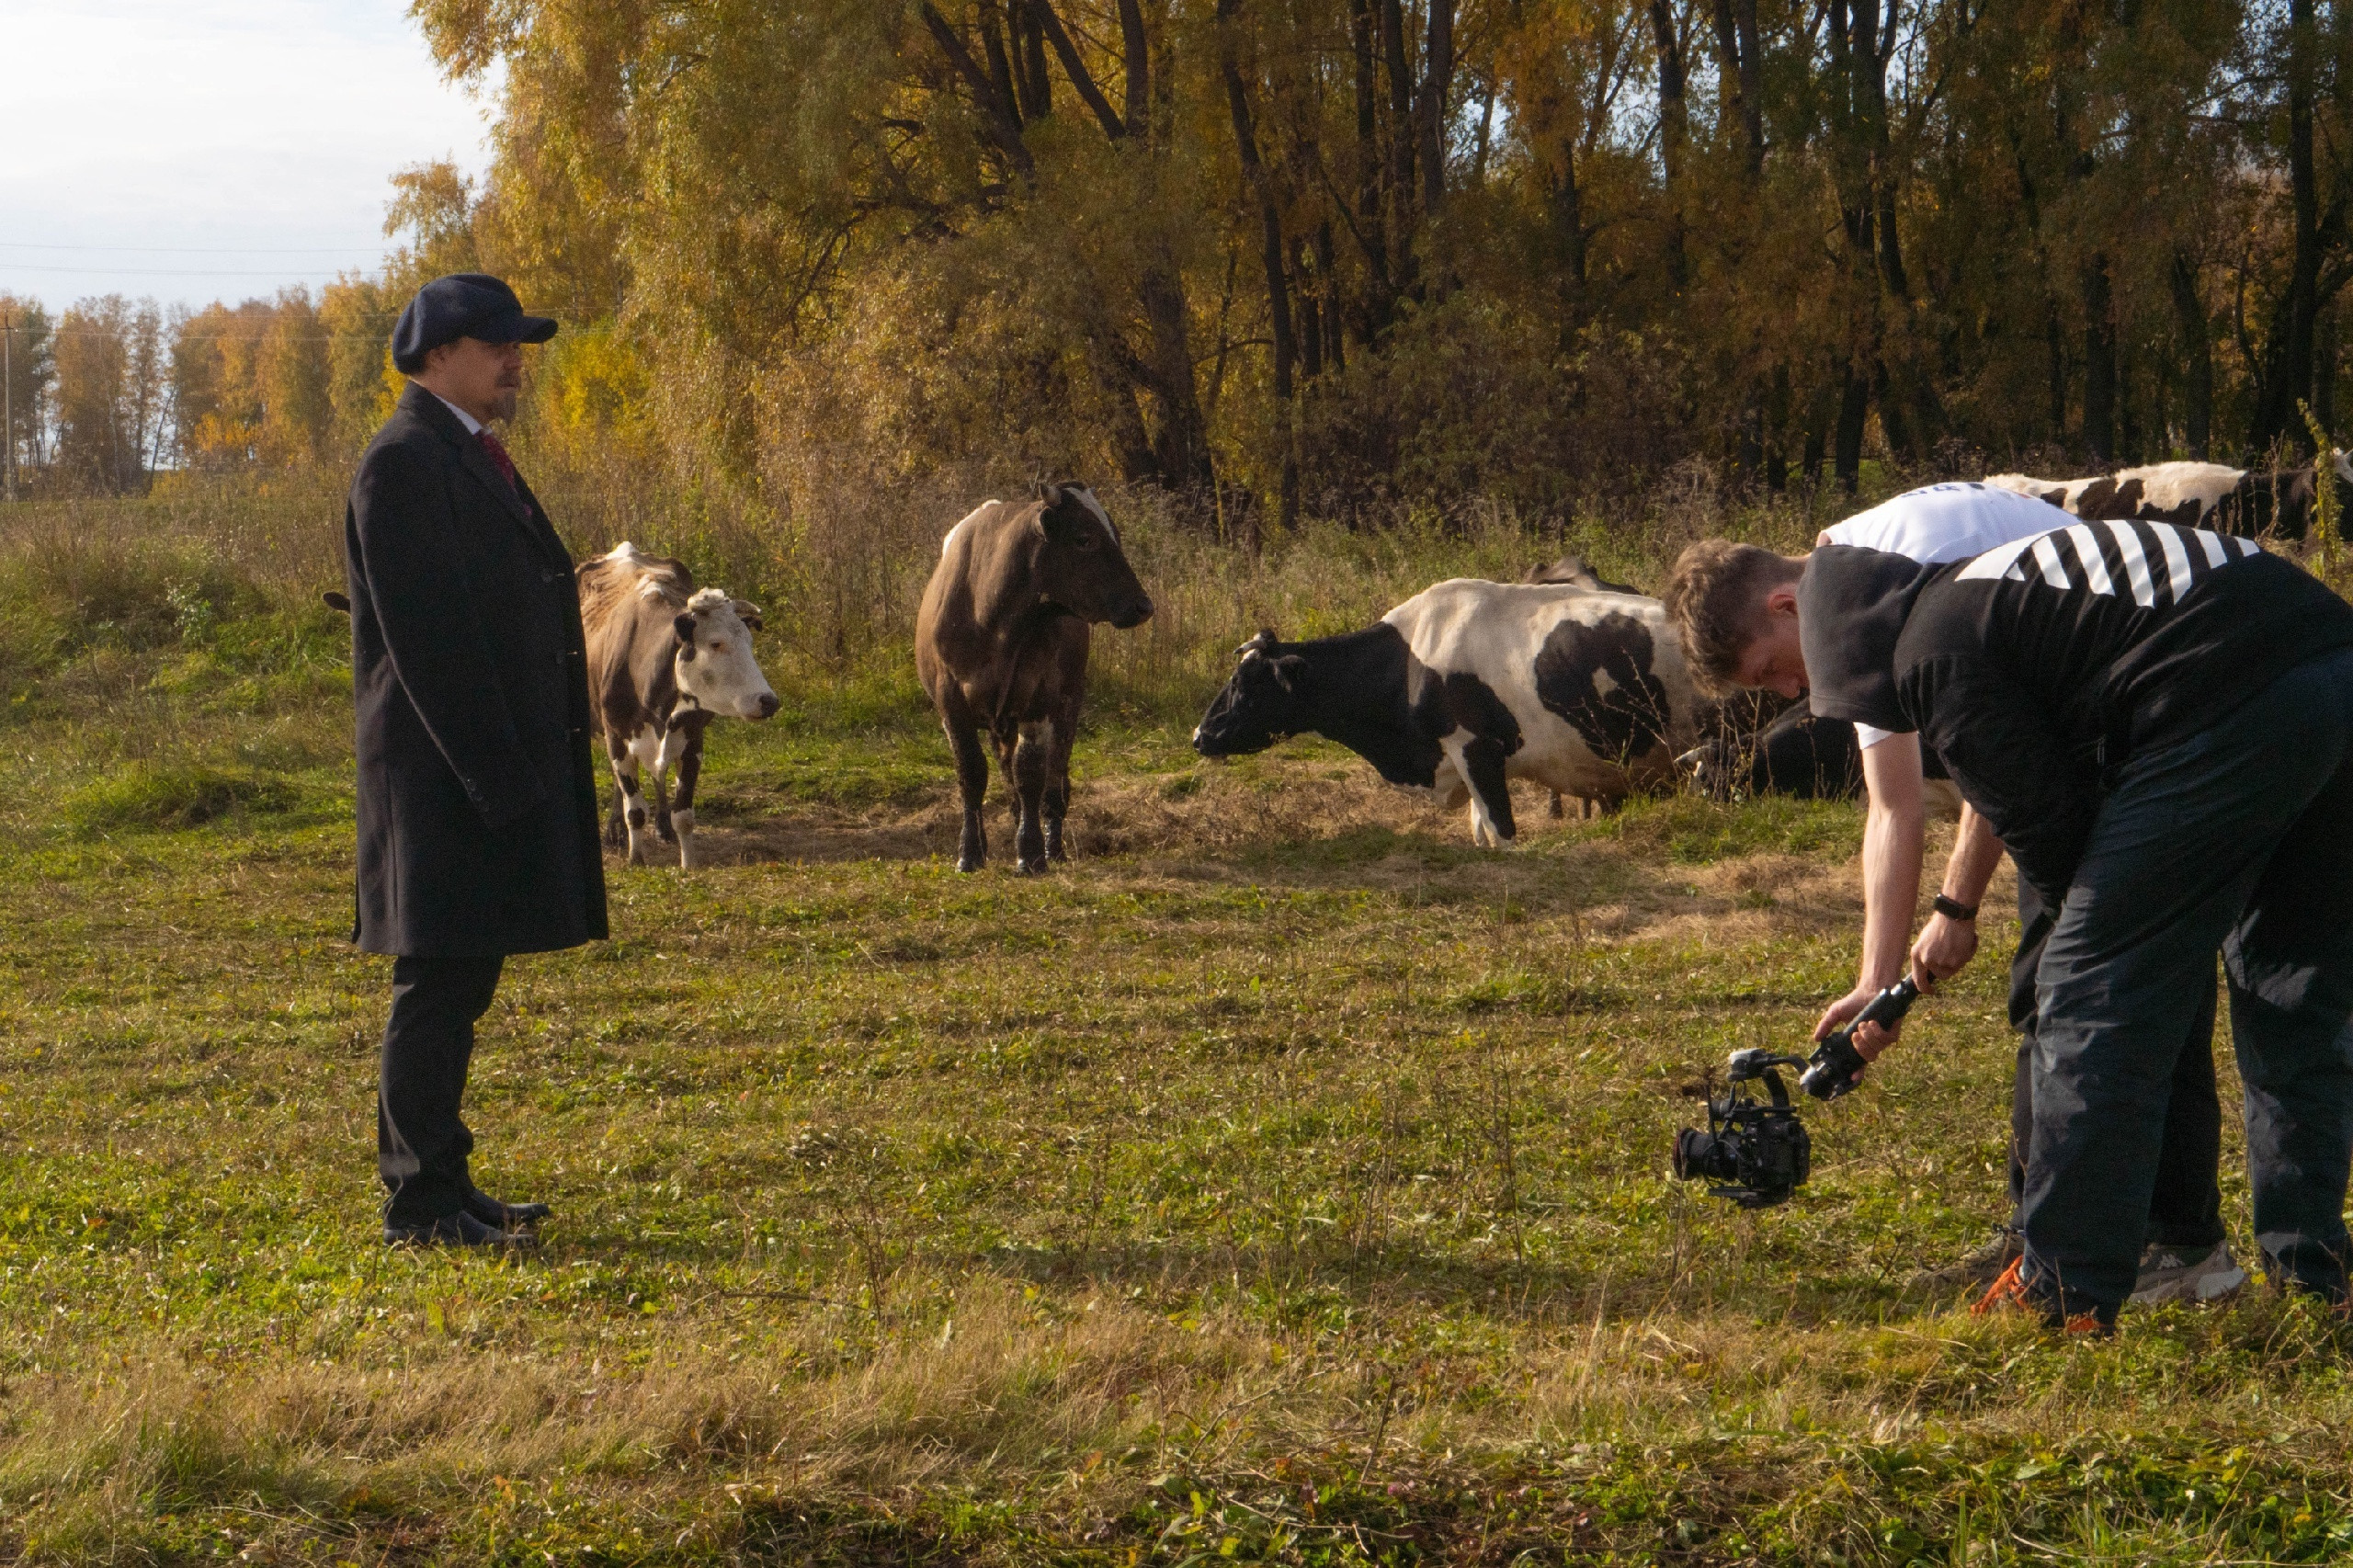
<point x="1341" y="254"/>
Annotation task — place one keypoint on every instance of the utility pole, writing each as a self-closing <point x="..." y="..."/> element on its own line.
<point x="8" y="401"/>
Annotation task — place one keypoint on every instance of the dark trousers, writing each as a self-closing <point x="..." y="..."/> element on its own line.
<point x="2239" y="838"/>
<point x="421" y="1145"/>
<point x="2186" y="1208"/>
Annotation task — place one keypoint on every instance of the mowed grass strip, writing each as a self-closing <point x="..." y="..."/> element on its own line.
<point x="1283" y="1181"/>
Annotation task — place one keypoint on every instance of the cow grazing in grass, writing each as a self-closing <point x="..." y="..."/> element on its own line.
<point x="1801" y="756"/>
<point x="1571" y="569"/>
<point x="664" y="659"/>
<point x="1001" y="643"/>
<point x="1469" y="685"/>
<point x="2193" y="494"/>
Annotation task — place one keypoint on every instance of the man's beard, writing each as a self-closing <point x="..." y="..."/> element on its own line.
<point x="501" y="403"/>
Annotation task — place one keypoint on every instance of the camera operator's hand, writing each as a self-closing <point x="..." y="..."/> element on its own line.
<point x="1945" y="948"/>
<point x="1870" y="1039"/>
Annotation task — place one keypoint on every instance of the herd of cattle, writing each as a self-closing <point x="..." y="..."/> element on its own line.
<point x="1576" y="684"/>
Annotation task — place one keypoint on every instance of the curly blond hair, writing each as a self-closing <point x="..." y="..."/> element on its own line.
<point x="1716" y="594"/>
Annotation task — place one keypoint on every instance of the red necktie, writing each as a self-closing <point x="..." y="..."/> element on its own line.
<point x="500" y="461"/>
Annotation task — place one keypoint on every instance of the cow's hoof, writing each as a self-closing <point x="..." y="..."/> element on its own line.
<point x="1036" y="868"/>
<point x="969" y="862"/>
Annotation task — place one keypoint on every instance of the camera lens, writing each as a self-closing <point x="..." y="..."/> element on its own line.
<point x="1701" y="1156"/>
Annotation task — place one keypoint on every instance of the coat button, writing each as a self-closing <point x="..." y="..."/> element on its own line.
<point x="547" y="576"/>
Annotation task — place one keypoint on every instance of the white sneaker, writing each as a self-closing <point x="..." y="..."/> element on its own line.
<point x="2196" y="1275"/>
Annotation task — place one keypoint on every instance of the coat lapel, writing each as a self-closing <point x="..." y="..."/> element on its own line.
<point x="472" y="456"/>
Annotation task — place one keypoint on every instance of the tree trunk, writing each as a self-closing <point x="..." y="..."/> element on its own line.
<point x="1777" y="427"/>
<point x="1379" y="294"/>
<point x="1854" y="406"/>
<point x="1136" y="60"/>
<point x="999" y="63"/>
<point x="1279" y="310"/>
<point x="1033" y="86"/>
<point x="2197" y="357"/>
<point x="2287" y="370"/>
<point x="1673" y="131"/>
<point x="1737" y="79"/>
<point x="2099" y="362"/>
<point x="1437" y="76"/>
<point x="1180" y="446"/>
<point x="1399" y="189"/>
<point x="1566" y="211"/>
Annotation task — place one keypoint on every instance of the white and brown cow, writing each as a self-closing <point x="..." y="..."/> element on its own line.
<point x="2193" y="494"/>
<point x="664" y="658"/>
<point x="1469" y="685"/>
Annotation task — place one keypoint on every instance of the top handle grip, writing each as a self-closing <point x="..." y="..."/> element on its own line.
<point x="1835" y="1064"/>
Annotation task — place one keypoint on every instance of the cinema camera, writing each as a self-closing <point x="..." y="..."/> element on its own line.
<point x="1756" y="1150"/>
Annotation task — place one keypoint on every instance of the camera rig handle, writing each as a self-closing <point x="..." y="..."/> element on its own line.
<point x="1832" y="1070"/>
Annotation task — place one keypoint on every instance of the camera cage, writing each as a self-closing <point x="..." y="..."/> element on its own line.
<point x="1737" y="1119"/>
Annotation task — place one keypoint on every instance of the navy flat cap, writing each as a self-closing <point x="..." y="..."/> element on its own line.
<point x="464" y="305"/>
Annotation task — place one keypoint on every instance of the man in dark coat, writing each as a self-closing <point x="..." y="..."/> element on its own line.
<point x="477" y="795"/>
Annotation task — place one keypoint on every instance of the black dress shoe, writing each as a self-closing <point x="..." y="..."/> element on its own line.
<point x="458" y="1230"/>
<point x="504" y="1216"/>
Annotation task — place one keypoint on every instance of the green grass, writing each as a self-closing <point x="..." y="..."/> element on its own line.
<point x="1287" y="1184"/>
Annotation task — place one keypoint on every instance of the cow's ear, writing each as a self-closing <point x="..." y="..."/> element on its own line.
<point x="1287" y="670"/>
<point x="1043" y="490"/>
<point x="685" y="626"/>
<point x="747" y="612"/>
<point x="1056" y="518"/>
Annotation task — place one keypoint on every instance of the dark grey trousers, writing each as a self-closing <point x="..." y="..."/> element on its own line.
<point x="421" y="1144"/>
<point x="2239" y="838"/>
<point x="2186" y="1208"/>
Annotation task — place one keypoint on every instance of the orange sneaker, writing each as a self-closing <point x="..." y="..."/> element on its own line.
<point x="2009" y="1295"/>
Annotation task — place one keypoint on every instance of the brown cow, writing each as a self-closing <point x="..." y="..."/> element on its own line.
<point x="664" y="658"/>
<point x="1001" y="644"/>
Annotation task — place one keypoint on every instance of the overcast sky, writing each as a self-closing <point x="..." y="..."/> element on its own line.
<point x="195" y="150"/>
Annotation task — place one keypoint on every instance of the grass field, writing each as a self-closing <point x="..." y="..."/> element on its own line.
<point x="1284" y="1181"/>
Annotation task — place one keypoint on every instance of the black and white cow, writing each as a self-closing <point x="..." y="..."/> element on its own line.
<point x="664" y="658"/>
<point x="2193" y="494"/>
<point x="1800" y="755"/>
<point x="1469" y="685"/>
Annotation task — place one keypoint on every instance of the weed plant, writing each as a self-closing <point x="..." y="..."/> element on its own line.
<point x="1283" y="1182"/>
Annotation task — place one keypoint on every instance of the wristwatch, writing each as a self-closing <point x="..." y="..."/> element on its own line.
<point x="1954" y="910"/>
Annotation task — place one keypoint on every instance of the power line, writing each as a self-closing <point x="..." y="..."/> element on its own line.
<point x="156" y="271"/>
<point x="188" y="250"/>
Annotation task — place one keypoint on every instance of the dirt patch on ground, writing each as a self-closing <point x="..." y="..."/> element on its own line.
<point x="1312" y="823"/>
<point x="1209" y="811"/>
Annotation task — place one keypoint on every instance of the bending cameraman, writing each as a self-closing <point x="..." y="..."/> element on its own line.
<point x="1741" y="617"/>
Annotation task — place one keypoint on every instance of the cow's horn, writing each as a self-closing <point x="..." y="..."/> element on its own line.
<point x="1264" y="643"/>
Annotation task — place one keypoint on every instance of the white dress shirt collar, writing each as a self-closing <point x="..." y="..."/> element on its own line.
<point x="473" y="425"/>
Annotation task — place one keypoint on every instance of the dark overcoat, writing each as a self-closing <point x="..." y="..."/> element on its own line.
<point x="477" y="792"/>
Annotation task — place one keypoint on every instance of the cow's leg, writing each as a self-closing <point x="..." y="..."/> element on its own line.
<point x="972" y="787"/>
<point x="684" y="746"/>
<point x="1481" y="762"/>
<point x="616" y="820"/>
<point x="645" y="755"/>
<point x="629" y="805"/>
<point x="1071" y="681"/>
<point x="1558" y="813"/>
<point x="1055" y="802"/>
<point x="1030" y="755"/>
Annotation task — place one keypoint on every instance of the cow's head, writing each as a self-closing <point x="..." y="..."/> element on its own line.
<point x="1259" y="706"/>
<point x="1080" y="565"/>
<point x="716" y="670"/>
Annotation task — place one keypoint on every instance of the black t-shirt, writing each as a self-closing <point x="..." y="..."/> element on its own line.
<point x="2037" y="667"/>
